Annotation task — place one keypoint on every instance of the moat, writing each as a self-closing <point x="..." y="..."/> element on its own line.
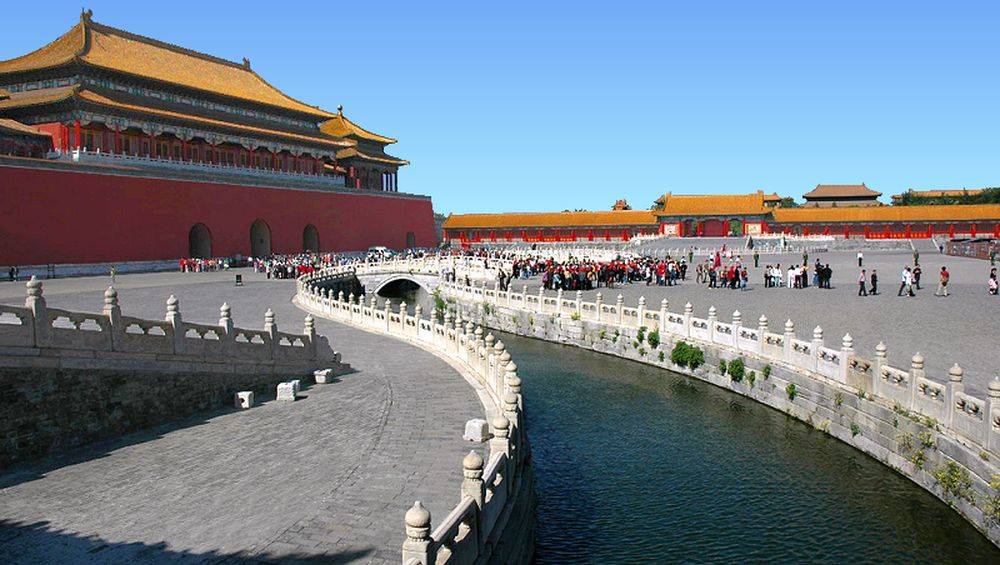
<point x="633" y="461"/>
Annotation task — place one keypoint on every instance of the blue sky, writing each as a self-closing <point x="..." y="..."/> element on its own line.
<point x="546" y="106"/>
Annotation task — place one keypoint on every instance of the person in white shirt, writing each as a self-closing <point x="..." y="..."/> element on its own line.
<point x="861" y="259"/>
<point x="791" y="277"/>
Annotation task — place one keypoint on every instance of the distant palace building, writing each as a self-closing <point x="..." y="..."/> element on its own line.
<point x="936" y="193"/>
<point x="731" y="215"/>
<point x="840" y="195"/>
<point x="115" y="147"/>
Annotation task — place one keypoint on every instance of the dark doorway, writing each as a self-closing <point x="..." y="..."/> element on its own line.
<point x="260" y="239"/>
<point x="199" y="242"/>
<point x="310" y="239"/>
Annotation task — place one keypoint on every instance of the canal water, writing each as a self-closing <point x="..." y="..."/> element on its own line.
<point x="636" y="464"/>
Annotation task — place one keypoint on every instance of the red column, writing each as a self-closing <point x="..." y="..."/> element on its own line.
<point x="154" y="151"/>
<point x="76" y="133"/>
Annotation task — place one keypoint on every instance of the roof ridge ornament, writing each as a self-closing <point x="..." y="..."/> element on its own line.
<point x="246" y="63"/>
<point x="86" y="15"/>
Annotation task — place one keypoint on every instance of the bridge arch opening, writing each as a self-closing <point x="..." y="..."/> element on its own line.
<point x="310" y="239"/>
<point x="199" y="242"/>
<point x="260" y="239"/>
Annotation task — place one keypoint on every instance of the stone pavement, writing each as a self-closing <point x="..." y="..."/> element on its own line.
<point x="963" y="328"/>
<point x="326" y="478"/>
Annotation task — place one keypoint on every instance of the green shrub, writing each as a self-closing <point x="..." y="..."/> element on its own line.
<point x="575" y="316"/>
<point x="861" y="394"/>
<point x="926" y="439"/>
<point x="737" y="369"/>
<point x="791" y="392"/>
<point x="766" y="371"/>
<point x="635" y="345"/>
<point x="653" y="339"/>
<point x="751" y="377"/>
<point x="992" y="506"/>
<point x="661" y="356"/>
<point x="603" y="334"/>
<point x="642" y="351"/>
<point x="838" y="398"/>
<point x="855" y="429"/>
<point x="487" y="309"/>
<point x="954" y="480"/>
<point x="439" y="302"/>
<point x="723" y="367"/>
<point x="687" y="355"/>
<point x="641" y="334"/>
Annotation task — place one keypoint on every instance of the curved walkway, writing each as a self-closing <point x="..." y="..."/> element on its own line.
<point x="327" y="477"/>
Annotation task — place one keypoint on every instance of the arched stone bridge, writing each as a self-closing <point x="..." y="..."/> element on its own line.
<point x="375" y="282"/>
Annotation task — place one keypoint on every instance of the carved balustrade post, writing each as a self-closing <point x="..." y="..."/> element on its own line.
<point x="310" y="334"/>
<point x="761" y="333"/>
<point x="472" y="487"/>
<point x="176" y="323"/>
<point x="789" y="338"/>
<point x="416" y="548"/>
<point x="688" y="313"/>
<point x="737" y="324"/>
<point x="881" y="351"/>
<point x="992" y="416"/>
<point x="954" y="387"/>
<point x="35" y="302"/>
<point x="640" y="312"/>
<point x="713" y="316"/>
<point x="114" y="314"/>
<point x="817" y="343"/>
<point x="916" y="373"/>
<point x="846" y="356"/>
<point x="663" y="317"/>
<point x="226" y="328"/>
<point x="271" y="328"/>
<point x="599" y="306"/>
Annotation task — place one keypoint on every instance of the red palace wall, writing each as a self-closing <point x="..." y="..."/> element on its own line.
<point x="53" y="216"/>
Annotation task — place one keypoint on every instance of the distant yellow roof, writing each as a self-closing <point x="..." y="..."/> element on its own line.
<point x="944" y="213"/>
<point x="841" y="191"/>
<point x="117" y="50"/>
<point x="533" y="220"/>
<point x="383" y="158"/>
<point x="712" y="204"/>
<point x="340" y="126"/>
<point x="37" y="97"/>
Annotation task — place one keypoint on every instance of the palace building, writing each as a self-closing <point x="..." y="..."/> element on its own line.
<point x="118" y="147"/>
<point x="735" y="215"/>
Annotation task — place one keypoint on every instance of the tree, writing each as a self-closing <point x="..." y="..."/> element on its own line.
<point x="788" y="202"/>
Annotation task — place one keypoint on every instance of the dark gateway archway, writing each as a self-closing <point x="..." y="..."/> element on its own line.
<point x="260" y="239"/>
<point x="199" y="242"/>
<point x="310" y="239"/>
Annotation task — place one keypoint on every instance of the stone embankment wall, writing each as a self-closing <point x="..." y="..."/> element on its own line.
<point x="494" y="519"/>
<point x="69" y="378"/>
<point x="943" y="439"/>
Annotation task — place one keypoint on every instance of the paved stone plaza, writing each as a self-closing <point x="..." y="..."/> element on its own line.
<point x="327" y="477"/>
<point x="963" y="328"/>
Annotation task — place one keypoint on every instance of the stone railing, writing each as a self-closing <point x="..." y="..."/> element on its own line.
<point x="85" y="156"/>
<point x="110" y="336"/>
<point x="490" y="521"/>
<point x="961" y="429"/>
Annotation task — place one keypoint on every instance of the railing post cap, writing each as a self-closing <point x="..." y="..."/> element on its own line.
<point x="917" y="361"/>
<point x="225" y="310"/>
<point x="955" y="373"/>
<point x="501" y="422"/>
<point x="664" y="303"/>
<point x="995" y="387"/>
<point x="34" y="286"/>
<point x="817" y="332"/>
<point x="789" y="326"/>
<point x="511" y="367"/>
<point x="642" y="300"/>
<point x="711" y="310"/>
<point x="880" y="349"/>
<point x="269" y="316"/>
<point x="172" y="303"/>
<point x="472" y="462"/>
<point x="762" y="320"/>
<point x="418" y="516"/>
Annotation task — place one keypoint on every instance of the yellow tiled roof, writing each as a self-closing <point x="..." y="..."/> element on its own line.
<point x="37" y="97"/>
<point x="340" y="126"/>
<point x="841" y="191"/>
<point x="938" y="193"/>
<point x="109" y="48"/>
<point x="383" y="158"/>
<point x="534" y="220"/>
<point x="105" y="100"/>
<point x="712" y="205"/>
<point x="944" y="213"/>
<point x="18" y="127"/>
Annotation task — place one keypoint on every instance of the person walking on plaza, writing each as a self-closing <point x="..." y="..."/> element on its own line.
<point x="861" y="284"/>
<point x="756" y="259"/>
<point x="874" y="290"/>
<point x="906" y="282"/>
<point x="916" y="258"/>
<point x="942" y="289"/>
<point x="917" y="271"/>
<point x="991" y="284"/>
<point x="12" y="273"/>
<point x="861" y="259"/>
